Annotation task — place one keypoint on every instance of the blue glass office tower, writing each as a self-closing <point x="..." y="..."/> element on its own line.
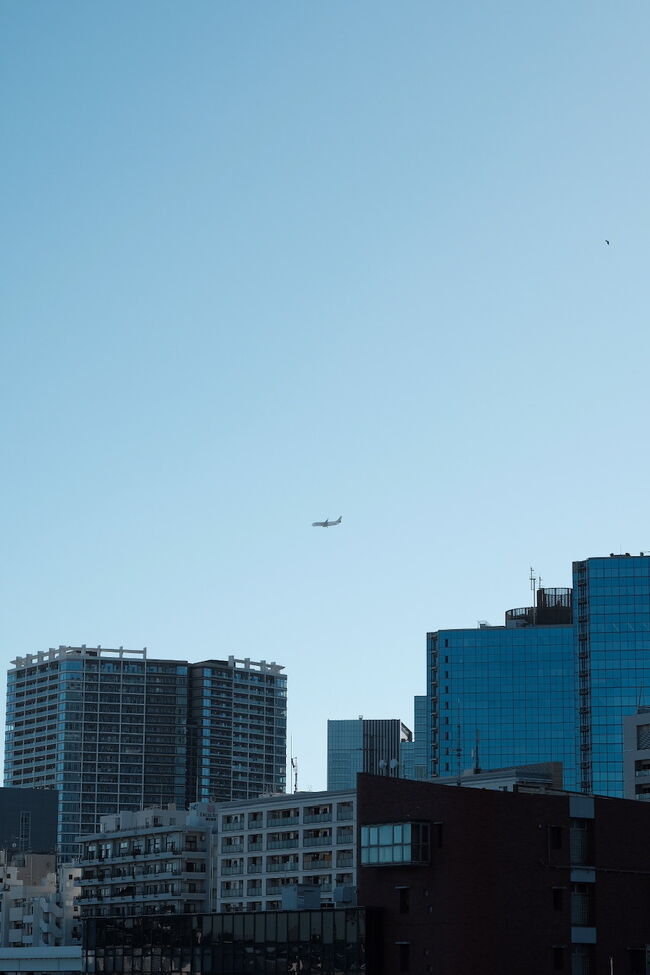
<point x="612" y="630"/>
<point x="364" y="745"/>
<point x="553" y="684"/>
<point x="112" y="729"/>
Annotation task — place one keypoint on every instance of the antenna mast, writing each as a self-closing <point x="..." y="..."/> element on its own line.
<point x="533" y="586"/>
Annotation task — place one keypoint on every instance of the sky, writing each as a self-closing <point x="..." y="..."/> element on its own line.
<point x="267" y="263"/>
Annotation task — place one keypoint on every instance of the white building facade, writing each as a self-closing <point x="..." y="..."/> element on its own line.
<point x="232" y="856"/>
<point x="148" y="862"/>
<point x="39" y="903"/>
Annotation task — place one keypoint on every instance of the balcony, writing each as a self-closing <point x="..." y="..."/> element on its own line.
<point x="239" y="826"/>
<point x="317" y="841"/>
<point x="232" y="871"/>
<point x="321" y="817"/>
<point x="256" y="845"/>
<point x="281" y="844"/>
<point x="228" y="848"/>
<point x="282" y="867"/>
<point x="283" y="820"/>
<point x="318" y="865"/>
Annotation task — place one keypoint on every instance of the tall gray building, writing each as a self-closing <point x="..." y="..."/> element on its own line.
<point x="112" y="729"/>
<point x="363" y="745"/>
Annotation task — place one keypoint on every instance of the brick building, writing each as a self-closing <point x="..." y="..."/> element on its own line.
<point x="497" y="883"/>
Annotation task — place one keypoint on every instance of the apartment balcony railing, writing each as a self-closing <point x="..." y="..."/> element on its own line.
<point x="282" y="867"/>
<point x="324" y="817"/>
<point x="232" y="871"/>
<point x="282" y="820"/>
<point x="281" y="844"/>
<point x="342" y="815"/>
<point x="317" y="841"/>
<point x="240" y="826"/>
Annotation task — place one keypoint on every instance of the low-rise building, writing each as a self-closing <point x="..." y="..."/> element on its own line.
<point x="232" y="856"/>
<point x="38" y="902"/>
<point x="278" y="841"/>
<point x="147" y="862"/>
<point x="481" y="880"/>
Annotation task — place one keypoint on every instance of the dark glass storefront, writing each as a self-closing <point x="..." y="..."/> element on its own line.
<point x="327" y="942"/>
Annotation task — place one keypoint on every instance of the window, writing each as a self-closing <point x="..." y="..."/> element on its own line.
<point x="404" y="950"/>
<point x="637" y="961"/>
<point x="395" y="843"/>
<point x="404" y="900"/>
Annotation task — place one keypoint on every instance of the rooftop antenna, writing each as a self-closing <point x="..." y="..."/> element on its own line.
<point x="533" y="584"/>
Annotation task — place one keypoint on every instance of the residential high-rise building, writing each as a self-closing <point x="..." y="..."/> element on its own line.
<point x="238" y="730"/>
<point x="553" y="684"/>
<point x="363" y="745"/>
<point x="113" y="729"/>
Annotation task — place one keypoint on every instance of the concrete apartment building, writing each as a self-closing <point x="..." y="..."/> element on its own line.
<point x="38" y="902"/>
<point x="157" y="861"/>
<point x="231" y="857"/>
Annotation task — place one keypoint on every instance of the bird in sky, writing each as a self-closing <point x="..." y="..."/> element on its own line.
<point x="607" y="242"/>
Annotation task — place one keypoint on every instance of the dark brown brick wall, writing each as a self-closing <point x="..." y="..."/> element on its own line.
<point x="485" y="905"/>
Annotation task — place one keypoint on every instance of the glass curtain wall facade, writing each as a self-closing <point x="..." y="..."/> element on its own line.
<point x="309" y="942"/>
<point x="553" y="684"/>
<point x="363" y="745"/>
<point x="502" y="697"/>
<point x="111" y="730"/>
<point x="414" y="762"/>
<point x="612" y="597"/>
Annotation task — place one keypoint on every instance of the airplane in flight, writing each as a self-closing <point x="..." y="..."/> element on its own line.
<point x="326" y="523"/>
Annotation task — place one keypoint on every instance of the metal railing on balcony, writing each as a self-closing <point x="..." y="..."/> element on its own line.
<point x="282" y="867"/>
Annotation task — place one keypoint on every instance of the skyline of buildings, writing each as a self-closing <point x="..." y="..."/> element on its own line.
<point x="112" y="729"/>
<point x="554" y="683"/>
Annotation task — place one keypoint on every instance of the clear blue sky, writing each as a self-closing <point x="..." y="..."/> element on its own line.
<point x="268" y="262"/>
